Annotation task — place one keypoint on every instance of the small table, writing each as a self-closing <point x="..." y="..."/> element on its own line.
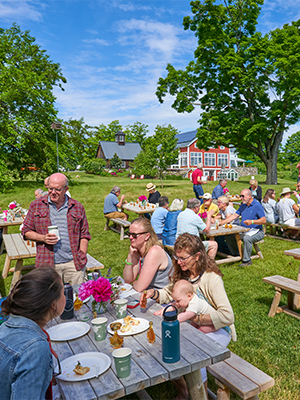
<point x="4" y="225"/>
<point x="222" y="231"/>
<point x="147" y="367"/>
<point x="17" y="249"/>
<point x="296" y="254"/>
<point x="139" y="210"/>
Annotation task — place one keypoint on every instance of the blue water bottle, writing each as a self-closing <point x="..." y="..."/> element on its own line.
<point x="170" y="335"/>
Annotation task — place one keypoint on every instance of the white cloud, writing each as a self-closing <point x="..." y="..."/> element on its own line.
<point x="102" y="42"/>
<point x="13" y="10"/>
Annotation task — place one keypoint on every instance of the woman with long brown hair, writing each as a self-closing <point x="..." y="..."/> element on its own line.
<point x="270" y="206"/>
<point x="191" y="263"/>
<point x="146" y="258"/>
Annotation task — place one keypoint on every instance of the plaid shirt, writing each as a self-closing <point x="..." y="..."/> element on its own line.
<point x="38" y="220"/>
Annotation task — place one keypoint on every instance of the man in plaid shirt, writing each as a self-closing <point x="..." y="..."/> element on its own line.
<point x="68" y="252"/>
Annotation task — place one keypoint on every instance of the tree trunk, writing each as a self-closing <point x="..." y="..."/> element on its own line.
<point x="272" y="171"/>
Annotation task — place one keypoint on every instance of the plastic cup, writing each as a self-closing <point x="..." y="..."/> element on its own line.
<point x="121" y="307"/>
<point x="99" y="327"/>
<point x="122" y="359"/>
<point x="54" y="229"/>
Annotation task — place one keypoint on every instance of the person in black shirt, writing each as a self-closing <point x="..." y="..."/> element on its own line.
<point x="154" y="195"/>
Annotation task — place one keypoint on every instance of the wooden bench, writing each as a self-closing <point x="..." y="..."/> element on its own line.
<point x="281" y="283"/>
<point x="274" y="228"/>
<point x="93" y="265"/>
<point x="117" y="221"/>
<point x="241" y="377"/>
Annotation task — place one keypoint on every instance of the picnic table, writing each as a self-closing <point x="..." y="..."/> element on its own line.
<point x="222" y="231"/>
<point x="296" y="254"/>
<point x="147" y="367"/>
<point x="5" y="224"/>
<point x="139" y="209"/>
<point x="17" y="249"/>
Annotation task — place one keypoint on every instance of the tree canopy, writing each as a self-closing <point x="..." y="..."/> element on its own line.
<point x="246" y="83"/>
<point x="27" y="78"/>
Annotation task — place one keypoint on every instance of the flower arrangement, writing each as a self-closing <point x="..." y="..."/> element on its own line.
<point x="203" y="215"/>
<point x="13" y="205"/>
<point x="225" y="190"/>
<point x="14" y="209"/>
<point x="142" y="198"/>
<point x="99" y="289"/>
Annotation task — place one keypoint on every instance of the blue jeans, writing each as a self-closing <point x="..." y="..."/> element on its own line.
<point x="198" y="192"/>
<point x="248" y="242"/>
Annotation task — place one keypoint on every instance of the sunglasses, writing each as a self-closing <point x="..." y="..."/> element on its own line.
<point x="135" y="235"/>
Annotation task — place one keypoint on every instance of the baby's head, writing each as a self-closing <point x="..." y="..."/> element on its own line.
<point x="182" y="293"/>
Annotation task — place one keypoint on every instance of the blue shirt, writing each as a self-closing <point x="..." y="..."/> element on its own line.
<point x="217" y="192"/>
<point x="110" y="203"/>
<point x="253" y="211"/>
<point x="26" y="360"/>
<point x="170" y="228"/>
<point x="62" y="249"/>
<point x="158" y="220"/>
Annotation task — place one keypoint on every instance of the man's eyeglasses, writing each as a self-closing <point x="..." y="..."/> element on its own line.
<point x="182" y="259"/>
<point x="56" y="190"/>
<point x="135" y="235"/>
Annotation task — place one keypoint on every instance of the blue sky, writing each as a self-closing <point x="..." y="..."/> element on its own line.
<point x="113" y="52"/>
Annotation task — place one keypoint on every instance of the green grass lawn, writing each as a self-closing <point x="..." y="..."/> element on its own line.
<point x="271" y="344"/>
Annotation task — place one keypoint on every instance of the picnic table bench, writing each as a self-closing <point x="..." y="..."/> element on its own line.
<point x="296" y="254"/>
<point x="241" y="377"/>
<point x="5" y="224"/>
<point x="274" y="228"/>
<point x="117" y="221"/>
<point x="281" y="283"/>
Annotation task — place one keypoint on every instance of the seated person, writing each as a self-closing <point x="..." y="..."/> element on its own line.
<point x="287" y="210"/>
<point x="207" y="206"/>
<point x="159" y="216"/>
<point x="219" y="189"/>
<point x="38" y="193"/>
<point x="253" y="216"/>
<point x="270" y="206"/>
<point x="192" y="305"/>
<point x="154" y="195"/>
<point x="111" y="204"/>
<point x="256" y="190"/>
<point x="189" y="222"/>
<point x="170" y="228"/>
<point x="146" y="259"/>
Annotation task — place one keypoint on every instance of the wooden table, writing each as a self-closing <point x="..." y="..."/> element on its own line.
<point x="222" y="231"/>
<point x="147" y="367"/>
<point x="139" y="210"/>
<point x="4" y="225"/>
<point x="17" y="249"/>
<point x="296" y="254"/>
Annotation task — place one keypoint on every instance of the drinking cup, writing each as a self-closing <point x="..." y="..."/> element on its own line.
<point x="121" y="306"/>
<point x="99" y="327"/>
<point x="122" y="358"/>
<point x="54" y="229"/>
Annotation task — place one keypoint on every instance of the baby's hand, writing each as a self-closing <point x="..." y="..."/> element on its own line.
<point x="159" y="312"/>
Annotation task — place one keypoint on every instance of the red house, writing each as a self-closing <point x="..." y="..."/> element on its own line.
<point x="190" y="155"/>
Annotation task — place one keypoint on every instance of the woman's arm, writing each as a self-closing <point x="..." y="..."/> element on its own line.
<point x="131" y="268"/>
<point x="296" y="209"/>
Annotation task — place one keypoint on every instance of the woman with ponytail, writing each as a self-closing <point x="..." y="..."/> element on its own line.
<point x="25" y="351"/>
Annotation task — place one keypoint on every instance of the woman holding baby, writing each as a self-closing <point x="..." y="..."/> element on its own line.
<point x="192" y="263"/>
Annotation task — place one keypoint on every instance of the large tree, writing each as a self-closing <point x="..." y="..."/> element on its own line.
<point x="27" y="78"/>
<point x="247" y="84"/>
<point x="291" y="150"/>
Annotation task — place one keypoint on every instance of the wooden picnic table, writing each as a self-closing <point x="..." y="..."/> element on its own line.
<point x="147" y="367"/>
<point x="5" y="224"/>
<point x="140" y="210"/>
<point x="17" y="249"/>
<point x="222" y="231"/>
<point x="296" y="254"/>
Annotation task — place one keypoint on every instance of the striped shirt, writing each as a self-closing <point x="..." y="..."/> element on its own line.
<point x="189" y="222"/>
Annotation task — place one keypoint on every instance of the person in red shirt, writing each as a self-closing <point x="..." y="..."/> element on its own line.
<point x="197" y="182"/>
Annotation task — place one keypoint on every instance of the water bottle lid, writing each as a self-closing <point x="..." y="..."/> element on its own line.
<point x="170" y="315"/>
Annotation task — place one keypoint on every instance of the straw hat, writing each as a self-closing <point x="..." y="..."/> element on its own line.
<point x="285" y="191"/>
<point x="150" y="186"/>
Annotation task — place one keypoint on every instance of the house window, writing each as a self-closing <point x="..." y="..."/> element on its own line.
<point x="209" y="159"/>
<point x="196" y="158"/>
<point x="223" y="159"/>
<point x="183" y="159"/>
<point x="222" y="147"/>
<point x="123" y="164"/>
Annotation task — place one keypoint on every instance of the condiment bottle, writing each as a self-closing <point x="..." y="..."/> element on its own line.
<point x="217" y="224"/>
<point x="144" y="301"/>
<point x="77" y="303"/>
<point x="150" y="333"/>
<point x="116" y="341"/>
<point x="170" y="333"/>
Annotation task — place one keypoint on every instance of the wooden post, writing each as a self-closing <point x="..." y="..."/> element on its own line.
<point x="275" y="302"/>
<point x="297" y="297"/>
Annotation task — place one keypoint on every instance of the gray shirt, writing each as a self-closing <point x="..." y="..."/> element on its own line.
<point x="161" y="277"/>
<point x="271" y="211"/>
<point x="229" y="210"/>
<point x="285" y="209"/>
<point x="62" y="249"/>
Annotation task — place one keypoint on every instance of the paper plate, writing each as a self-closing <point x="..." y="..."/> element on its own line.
<point x="97" y="362"/>
<point x="68" y="331"/>
<point x="141" y="327"/>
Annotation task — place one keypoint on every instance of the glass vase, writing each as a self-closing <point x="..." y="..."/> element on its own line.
<point x="144" y="202"/>
<point x="99" y="307"/>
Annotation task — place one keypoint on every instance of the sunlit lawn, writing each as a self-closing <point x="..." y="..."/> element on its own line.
<point x="271" y="344"/>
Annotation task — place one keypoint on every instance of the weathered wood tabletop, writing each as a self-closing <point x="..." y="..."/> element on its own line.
<point x="147" y="367"/>
<point x="5" y="224"/>
<point x="139" y="209"/>
<point x="222" y="231"/>
<point x="296" y="254"/>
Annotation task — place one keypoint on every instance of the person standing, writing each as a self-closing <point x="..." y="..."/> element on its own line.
<point x="218" y="190"/>
<point x="111" y="204"/>
<point x="197" y="182"/>
<point x="67" y="254"/>
<point x="159" y="216"/>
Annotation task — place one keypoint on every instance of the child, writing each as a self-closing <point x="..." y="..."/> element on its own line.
<point x="185" y="298"/>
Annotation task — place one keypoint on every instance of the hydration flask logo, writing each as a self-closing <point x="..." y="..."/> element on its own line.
<point x="168" y="334"/>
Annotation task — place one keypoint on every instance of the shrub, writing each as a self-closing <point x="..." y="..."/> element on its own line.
<point x="94" y="165"/>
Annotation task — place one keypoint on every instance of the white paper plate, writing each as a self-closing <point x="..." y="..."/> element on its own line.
<point x="141" y="327"/>
<point x="97" y="362"/>
<point x="68" y="331"/>
<point x="124" y="290"/>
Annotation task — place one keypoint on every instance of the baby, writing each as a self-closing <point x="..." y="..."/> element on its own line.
<point x="185" y="298"/>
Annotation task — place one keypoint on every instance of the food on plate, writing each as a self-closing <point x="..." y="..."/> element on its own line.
<point x="115" y="326"/>
<point x="131" y="321"/>
<point x="123" y="289"/>
<point x="125" y="328"/>
<point x="80" y="370"/>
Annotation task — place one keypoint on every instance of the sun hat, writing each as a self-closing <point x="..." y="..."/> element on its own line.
<point x="150" y="186"/>
<point x="206" y="196"/>
<point x="200" y="165"/>
<point x="285" y="191"/>
<point x="177" y="205"/>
